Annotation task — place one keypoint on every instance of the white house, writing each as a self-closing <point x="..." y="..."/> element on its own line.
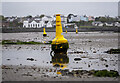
<point x="75" y="18"/>
<point x="33" y="24"/>
<point x="49" y="24"/>
<point x="117" y="24"/>
<point x="97" y="23"/>
<point x="38" y="23"/>
<point x="109" y="23"/>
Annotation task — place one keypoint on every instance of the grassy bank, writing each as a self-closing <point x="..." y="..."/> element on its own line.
<point x="17" y="42"/>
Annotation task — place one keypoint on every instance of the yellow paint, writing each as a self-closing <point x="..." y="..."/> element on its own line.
<point x="44" y="31"/>
<point x="76" y="31"/>
<point x="58" y="72"/>
<point x="59" y="37"/>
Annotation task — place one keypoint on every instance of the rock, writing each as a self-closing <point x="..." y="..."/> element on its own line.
<point x="8" y="59"/>
<point x="103" y="59"/>
<point x="38" y="69"/>
<point x="31" y="59"/>
<point x="50" y="61"/>
<point x="16" y="69"/>
<point x="88" y="65"/>
<point x="50" y="70"/>
<point x="5" y="67"/>
<point x="76" y="62"/>
<point x="19" y="48"/>
<point x="106" y="65"/>
<point x="77" y="59"/>
<point x="28" y="74"/>
<point x="79" y="52"/>
<point x="94" y="51"/>
<point x="70" y="74"/>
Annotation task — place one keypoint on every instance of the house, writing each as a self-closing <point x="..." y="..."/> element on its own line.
<point x="37" y="22"/>
<point x="11" y="19"/>
<point x="33" y="24"/>
<point x="109" y="23"/>
<point x="75" y="18"/>
<point x="20" y="20"/>
<point x="49" y="24"/>
<point x="91" y="18"/>
<point x="117" y="24"/>
<point x="84" y="18"/>
<point x="97" y="23"/>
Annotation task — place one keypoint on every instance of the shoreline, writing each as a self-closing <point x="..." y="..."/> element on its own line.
<point x="85" y="29"/>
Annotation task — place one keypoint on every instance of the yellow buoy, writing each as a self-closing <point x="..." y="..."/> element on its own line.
<point x="76" y="31"/>
<point x="59" y="43"/>
<point x="66" y="30"/>
<point x="44" y="33"/>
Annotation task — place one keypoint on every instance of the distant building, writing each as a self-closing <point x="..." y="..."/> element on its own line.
<point x="117" y="24"/>
<point x="33" y="24"/>
<point x="97" y="23"/>
<point x="109" y="23"/>
<point x="83" y="18"/>
<point x="38" y="22"/>
<point x="11" y="19"/>
<point x="77" y="18"/>
<point x="91" y="18"/>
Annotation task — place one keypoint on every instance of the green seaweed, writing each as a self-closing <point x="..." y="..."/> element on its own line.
<point x="105" y="73"/>
<point x="113" y="51"/>
<point x="17" y="42"/>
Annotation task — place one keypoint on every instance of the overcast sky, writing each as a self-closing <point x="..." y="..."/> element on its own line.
<point x="51" y="8"/>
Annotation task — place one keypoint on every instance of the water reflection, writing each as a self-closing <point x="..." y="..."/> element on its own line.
<point x="60" y="61"/>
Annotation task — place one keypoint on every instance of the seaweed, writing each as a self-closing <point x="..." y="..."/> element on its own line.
<point x="113" y="51"/>
<point x="17" y="42"/>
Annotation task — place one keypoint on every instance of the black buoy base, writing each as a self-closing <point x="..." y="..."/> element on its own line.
<point x="44" y="35"/>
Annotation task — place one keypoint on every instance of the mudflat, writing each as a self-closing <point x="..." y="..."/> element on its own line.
<point x="34" y="63"/>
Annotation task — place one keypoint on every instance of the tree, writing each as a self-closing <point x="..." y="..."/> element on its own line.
<point x="42" y="15"/>
<point x="2" y="18"/>
<point x="29" y="16"/>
